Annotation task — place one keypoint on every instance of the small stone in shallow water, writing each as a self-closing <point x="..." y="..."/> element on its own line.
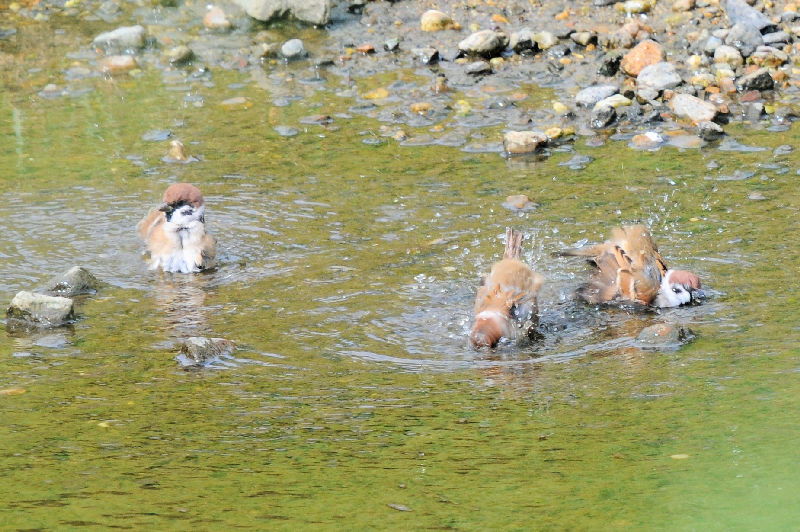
<point x="73" y="282"/>
<point x="157" y="135"/>
<point x="376" y="94"/>
<point x="647" y="52"/>
<point x="519" y="202"/>
<point x="121" y="39"/>
<point x="602" y="117"/>
<point x="285" y="131"/>
<point x="759" y="80"/>
<point x="486" y="43"/>
<point x="756" y="196"/>
<point x="51" y="90"/>
<point x="117" y="64"/>
<point x="647" y="141"/>
<point x="176" y="153"/>
<point x="478" y="68"/>
<point x="664" y="336"/>
<point x="427" y="56"/>
<point x="783" y="149"/>
<point x="693" y="108"/>
<point x="180" y="55"/>
<point x="392" y="45"/>
<point x="521" y="142"/>
<point x="433" y="20"/>
<point x="198" y="351"/>
<point x="591" y="95"/>
<point x="215" y="19"/>
<point x="709" y="131"/>
<point x="237" y="102"/>
<point x="293" y="49"/>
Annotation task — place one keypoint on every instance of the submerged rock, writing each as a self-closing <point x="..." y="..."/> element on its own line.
<point x="40" y="310"/>
<point x="199" y="351"/>
<point x="589" y="96"/>
<point x="664" y="336"/>
<point x="216" y="19"/>
<point x="293" y="49"/>
<point x="311" y="11"/>
<point x="521" y="142"/>
<point x="485" y="43"/>
<point x="75" y="281"/>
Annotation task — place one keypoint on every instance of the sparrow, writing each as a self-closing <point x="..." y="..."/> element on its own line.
<point x="175" y="232"/>
<point x="506" y="300"/>
<point x="628" y="267"/>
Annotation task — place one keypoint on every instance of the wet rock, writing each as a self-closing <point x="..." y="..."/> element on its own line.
<point x="40" y="310"/>
<point x="176" y="153"/>
<point x="73" y="282"/>
<point x="519" y="202"/>
<point x="658" y="77"/>
<point x="433" y="20"/>
<point x="609" y="66"/>
<point x="615" y="101"/>
<point x="664" y="336"/>
<point x="293" y="49"/>
<point x="583" y="38"/>
<point x="602" y="117"/>
<point x="740" y="12"/>
<point x="523" y="42"/>
<point x="760" y="80"/>
<point x="693" y="108"/>
<point x="157" y="135"/>
<point x="51" y="91"/>
<point x="617" y="39"/>
<point x="783" y="149"/>
<point x="591" y="95"/>
<point x="216" y="19"/>
<point x="680" y="6"/>
<point x="426" y="56"/>
<point x="392" y="45"/>
<point x="647" y="52"/>
<point x="311" y="11"/>
<point x="117" y="64"/>
<point x="728" y="55"/>
<point x="767" y="56"/>
<point x="180" y="55"/>
<point x="199" y="351"/>
<point x="237" y="102"/>
<point x="286" y="131"/>
<point x="776" y="38"/>
<point x="744" y="38"/>
<point x="521" y="142"/>
<point x="756" y="196"/>
<point x="485" y="43"/>
<point x="126" y="38"/>
<point x="545" y="40"/>
<point x="753" y="111"/>
<point x="709" y="131"/>
<point x="365" y="49"/>
<point x="478" y="68"/>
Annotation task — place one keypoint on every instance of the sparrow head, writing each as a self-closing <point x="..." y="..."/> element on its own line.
<point x="489" y="327"/>
<point x="678" y="287"/>
<point x="183" y="204"/>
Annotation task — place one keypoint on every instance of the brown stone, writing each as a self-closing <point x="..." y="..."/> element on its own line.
<point x="117" y="64"/>
<point x="215" y="19"/>
<point x="643" y="54"/>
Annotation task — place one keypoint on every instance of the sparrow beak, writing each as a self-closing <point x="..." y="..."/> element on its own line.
<point x="697" y="294"/>
<point x="165" y="207"/>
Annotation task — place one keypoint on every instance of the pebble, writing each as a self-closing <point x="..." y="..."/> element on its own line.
<point x="759" y="80"/>
<point x="744" y="38"/>
<point x="522" y="142"/>
<point x="767" y="56"/>
<point x="180" y="55"/>
<point x="126" y="38"/>
<point x="584" y="38"/>
<point x="176" y="153"/>
<point x="523" y="41"/>
<point x="756" y="196"/>
<point x="591" y="95"/>
<point x="647" y="52"/>
<point x="602" y="117"/>
<point x="215" y="19"/>
<point x="237" y="102"/>
<point x="478" y="68"/>
<point x="157" y="135"/>
<point x="545" y="40"/>
<point x="433" y="20"/>
<point x="647" y="141"/>
<point x="293" y="49"/>
<point x="709" y="131"/>
<point x="197" y="351"/>
<point x="392" y="45"/>
<point x="693" y="108"/>
<point x="376" y="94"/>
<point x="740" y="12"/>
<point x="658" y="77"/>
<point x="117" y="64"/>
<point x="427" y="55"/>
<point x="285" y="131"/>
<point x="615" y="101"/>
<point x="728" y="55"/>
<point x="486" y="43"/>
<point x="519" y="202"/>
<point x="664" y="336"/>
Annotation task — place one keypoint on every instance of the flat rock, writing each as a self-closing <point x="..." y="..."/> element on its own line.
<point x="40" y="310"/>
<point x="693" y="108"/>
<point x="658" y="77"/>
<point x="126" y="38"/>
<point x="591" y="95"/>
<point x="75" y="281"/>
<point x="311" y="11"/>
<point x="647" y="52"/>
<point x="521" y="142"/>
<point x="199" y="351"/>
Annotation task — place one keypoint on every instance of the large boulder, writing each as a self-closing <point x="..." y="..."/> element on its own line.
<point x="311" y="11"/>
<point x="40" y="310"/>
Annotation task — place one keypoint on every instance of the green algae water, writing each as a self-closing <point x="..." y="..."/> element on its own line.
<point x="346" y="279"/>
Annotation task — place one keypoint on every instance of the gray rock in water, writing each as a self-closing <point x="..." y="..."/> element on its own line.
<point x="760" y="80"/>
<point x="709" y="131"/>
<point x="664" y="336"/>
<point x="591" y="95"/>
<point x="745" y="38"/>
<point x="485" y="43"/>
<point x="427" y="56"/>
<point x="478" y="68"/>
<point x="293" y="49"/>
<point x="40" y="310"/>
<point x="658" y="77"/>
<point x="199" y="350"/>
<point x="180" y="55"/>
<point x="124" y="39"/>
<point x="609" y="65"/>
<point x="522" y="142"/>
<point x="602" y="116"/>
<point x="311" y="11"/>
<point x="740" y="12"/>
<point x="73" y="282"/>
<point x="693" y="108"/>
<point x="777" y="37"/>
<point x="523" y="42"/>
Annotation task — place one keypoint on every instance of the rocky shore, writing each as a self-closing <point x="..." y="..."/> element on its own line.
<point x="645" y="72"/>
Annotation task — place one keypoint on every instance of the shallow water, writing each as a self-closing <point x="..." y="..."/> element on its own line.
<point x="347" y="275"/>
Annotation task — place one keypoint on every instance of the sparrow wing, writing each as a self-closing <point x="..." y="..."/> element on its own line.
<point x="208" y="252"/>
<point x="152" y="219"/>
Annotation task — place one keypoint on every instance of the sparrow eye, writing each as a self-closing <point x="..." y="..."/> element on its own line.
<point x="677" y="290"/>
